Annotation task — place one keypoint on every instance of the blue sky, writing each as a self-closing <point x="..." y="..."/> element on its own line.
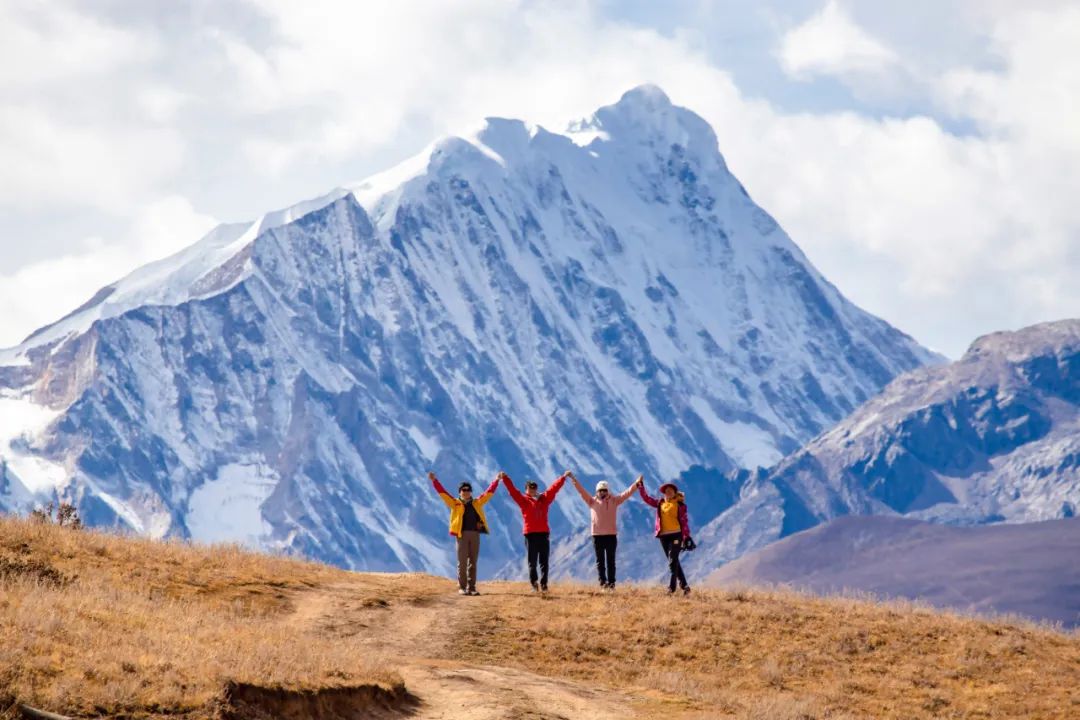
<point x="924" y="154"/>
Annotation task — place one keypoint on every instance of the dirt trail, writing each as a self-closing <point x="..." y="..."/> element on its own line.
<point x="414" y="633"/>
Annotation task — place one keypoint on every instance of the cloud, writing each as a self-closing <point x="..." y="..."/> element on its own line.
<point x="67" y="136"/>
<point x="831" y="43"/>
<point x="44" y="291"/>
<point x="947" y="235"/>
<point x="51" y="160"/>
<point x="251" y="105"/>
<point x="46" y="43"/>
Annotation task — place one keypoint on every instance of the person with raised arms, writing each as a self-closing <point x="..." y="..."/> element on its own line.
<point x="603" y="506"/>
<point x="672" y="528"/>
<point x="467" y="524"/>
<point x="534" y="514"/>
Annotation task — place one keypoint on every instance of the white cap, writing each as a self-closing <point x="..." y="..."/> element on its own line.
<point x="602" y="485"/>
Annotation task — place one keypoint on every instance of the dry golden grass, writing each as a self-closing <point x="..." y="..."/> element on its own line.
<point x="765" y="654"/>
<point x="92" y="623"/>
<point x="100" y="625"/>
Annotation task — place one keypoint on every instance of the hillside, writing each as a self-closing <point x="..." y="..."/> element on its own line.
<point x="512" y="298"/>
<point x="1029" y="569"/>
<point x="94" y="624"/>
<point x="992" y="437"/>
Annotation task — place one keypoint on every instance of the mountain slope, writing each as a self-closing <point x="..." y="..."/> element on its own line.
<point x="992" y="437"/>
<point x="609" y="299"/>
<point x="1029" y="568"/>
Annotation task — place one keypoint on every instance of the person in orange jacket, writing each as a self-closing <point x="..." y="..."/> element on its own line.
<point x="672" y="529"/>
<point x="467" y="523"/>
<point x="534" y="512"/>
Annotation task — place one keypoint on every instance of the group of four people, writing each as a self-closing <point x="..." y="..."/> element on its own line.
<point x="468" y="522"/>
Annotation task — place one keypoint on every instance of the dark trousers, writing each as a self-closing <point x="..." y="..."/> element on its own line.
<point x="538" y="548"/>
<point x="604" y="545"/>
<point x="672" y="545"/>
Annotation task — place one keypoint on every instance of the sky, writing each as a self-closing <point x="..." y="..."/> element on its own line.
<point x="925" y="155"/>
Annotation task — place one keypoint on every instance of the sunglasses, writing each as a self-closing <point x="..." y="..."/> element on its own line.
<point x="601" y="492"/>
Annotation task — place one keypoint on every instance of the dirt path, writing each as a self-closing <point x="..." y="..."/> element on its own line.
<point x="414" y="634"/>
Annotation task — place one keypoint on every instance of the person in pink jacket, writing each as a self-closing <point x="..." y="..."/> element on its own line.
<point x="672" y="528"/>
<point x="604" y="508"/>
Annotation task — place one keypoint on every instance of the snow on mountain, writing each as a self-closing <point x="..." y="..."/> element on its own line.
<point x="609" y="299"/>
<point x="1026" y="568"/>
<point x="992" y="437"/>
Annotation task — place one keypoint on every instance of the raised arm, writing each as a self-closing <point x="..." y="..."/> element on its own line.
<point x="555" y="487"/>
<point x="443" y="495"/>
<point x="589" y="500"/>
<point x="649" y="500"/>
<point x="625" y="494"/>
<point x="514" y="492"/>
<point x="486" y="495"/>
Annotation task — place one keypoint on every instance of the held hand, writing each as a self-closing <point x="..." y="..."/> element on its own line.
<point x="640" y="480"/>
<point x="567" y="473"/>
<point x="431" y="477"/>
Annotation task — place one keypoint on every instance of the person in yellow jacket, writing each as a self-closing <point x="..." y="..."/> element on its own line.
<point x="467" y="523"/>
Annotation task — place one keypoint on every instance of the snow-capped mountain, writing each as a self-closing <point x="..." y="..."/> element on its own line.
<point x="992" y="437"/>
<point x="608" y="299"/>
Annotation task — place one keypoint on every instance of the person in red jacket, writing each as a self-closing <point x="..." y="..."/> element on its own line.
<point x="672" y="528"/>
<point x="534" y="512"/>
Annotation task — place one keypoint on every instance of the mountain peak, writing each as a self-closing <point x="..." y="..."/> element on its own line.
<point x="646" y="96"/>
<point x="1029" y="341"/>
<point x="645" y="117"/>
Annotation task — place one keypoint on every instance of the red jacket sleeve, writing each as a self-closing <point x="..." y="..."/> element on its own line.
<point x="645" y="496"/>
<point x="492" y="487"/>
<point x="552" y="491"/>
<point x="514" y="492"/>
<point x="439" y="487"/>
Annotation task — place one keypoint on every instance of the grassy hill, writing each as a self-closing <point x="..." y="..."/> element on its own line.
<point x="95" y="625"/>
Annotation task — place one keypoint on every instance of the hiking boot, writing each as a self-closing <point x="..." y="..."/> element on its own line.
<point x="535" y="587"/>
<point x="544" y="589"/>
<point x="671" y="591"/>
<point x="686" y="590"/>
<point x="474" y="591"/>
<point x="611" y="587"/>
<point x="462" y="591"/>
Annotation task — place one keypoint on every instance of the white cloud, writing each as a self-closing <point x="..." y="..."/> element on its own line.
<point x="831" y="43"/>
<point x="44" y="291"/>
<point x="67" y="137"/>
<point x="944" y="234"/>
<point x="43" y="43"/>
<point x="51" y="160"/>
